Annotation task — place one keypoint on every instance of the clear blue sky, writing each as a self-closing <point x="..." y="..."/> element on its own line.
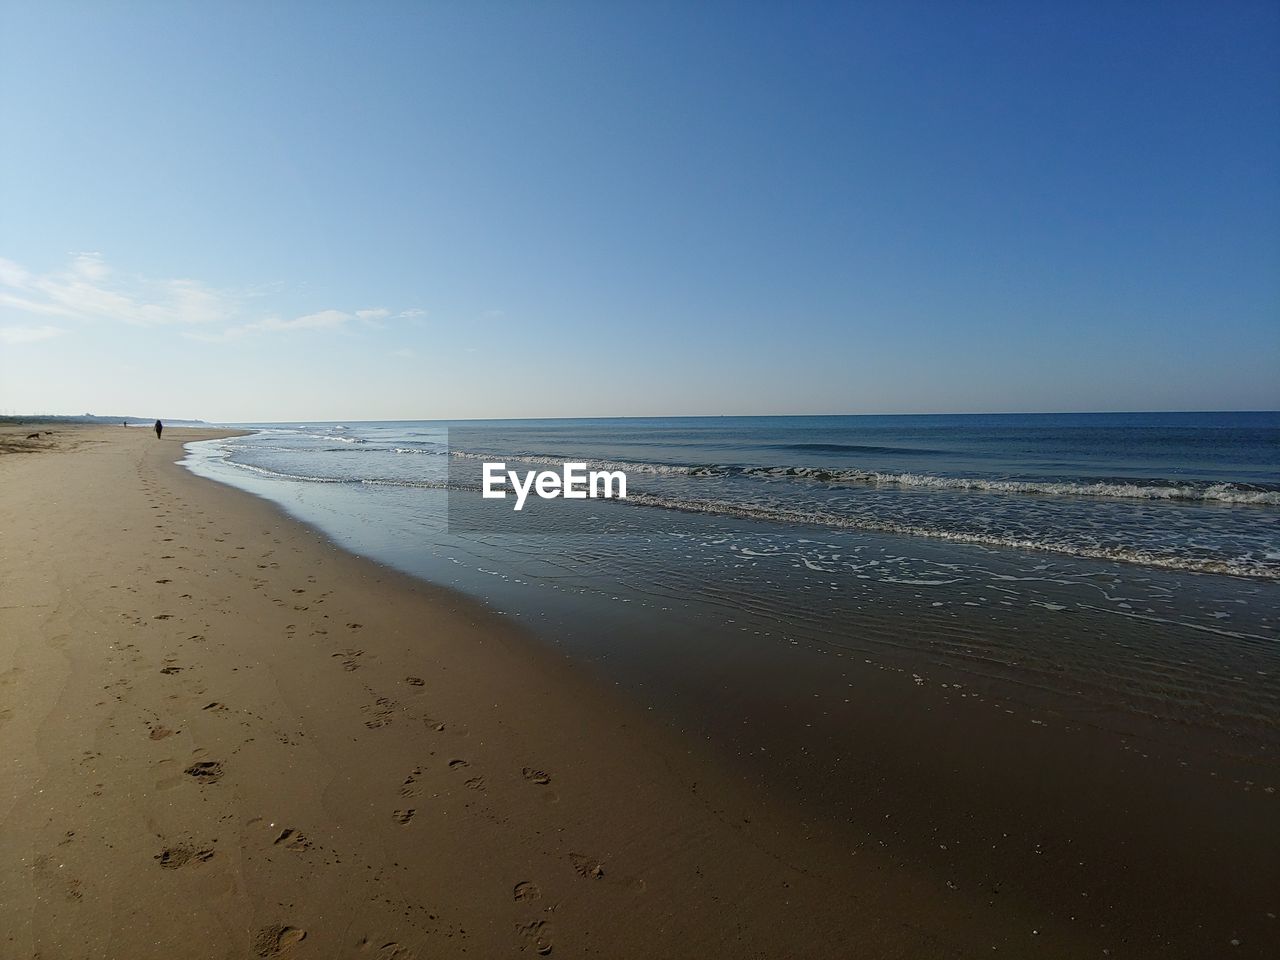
<point x="260" y="211"/>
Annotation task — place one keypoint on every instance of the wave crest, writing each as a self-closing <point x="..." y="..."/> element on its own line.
<point x="1126" y="489"/>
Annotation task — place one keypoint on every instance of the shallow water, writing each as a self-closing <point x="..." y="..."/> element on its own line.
<point x="1079" y="559"/>
<point x="1044" y="697"/>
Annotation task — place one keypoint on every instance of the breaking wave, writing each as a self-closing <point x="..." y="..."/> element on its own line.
<point x="809" y="516"/>
<point x="773" y="514"/>
<point x="1122" y="488"/>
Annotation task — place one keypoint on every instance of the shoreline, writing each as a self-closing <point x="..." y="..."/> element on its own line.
<point x="228" y="737"/>
<point x="335" y="695"/>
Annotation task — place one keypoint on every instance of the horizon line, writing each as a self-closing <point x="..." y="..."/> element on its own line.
<point x="684" y="416"/>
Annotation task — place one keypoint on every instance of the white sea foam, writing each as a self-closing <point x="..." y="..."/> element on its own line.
<point x="1259" y="563"/>
<point x="1110" y="489"/>
<point x="350" y="481"/>
<point x="1136" y="489"/>
<point x="1232" y="567"/>
<point x="281" y="475"/>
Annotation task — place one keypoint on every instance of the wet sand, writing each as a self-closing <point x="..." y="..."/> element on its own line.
<point x="224" y="737"/>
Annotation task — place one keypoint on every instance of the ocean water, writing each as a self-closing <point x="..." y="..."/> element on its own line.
<point x="1183" y="491"/>
<point x="1036" y="656"/>
<point x="1116" y="562"/>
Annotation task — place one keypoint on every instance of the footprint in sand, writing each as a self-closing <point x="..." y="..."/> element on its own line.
<point x="171" y="858"/>
<point x="403" y="816"/>
<point x="380" y="713"/>
<point x="533" y="775"/>
<point x="385" y="950"/>
<point x="170" y="670"/>
<point x="349" y="659"/>
<point x="457" y="764"/>
<point x="414" y="681"/>
<point x="50" y="875"/>
<point x="292" y="839"/>
<point x="159" y="732"/>
<point x="410" y="788"/>
<point x="526" y="890"/>
<point x="206" y="771"/>
<point x="586" y="867"/>
<point x="535" y="936"/>
<point x="475" y="783"/>
<point x="272" y="940"/>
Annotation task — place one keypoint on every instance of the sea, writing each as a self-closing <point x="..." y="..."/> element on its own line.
<point x="990" y="647"/>
<point x="1117" y="559"/>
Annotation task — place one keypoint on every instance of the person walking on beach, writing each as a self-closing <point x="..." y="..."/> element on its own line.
<point x="159" y="427"/>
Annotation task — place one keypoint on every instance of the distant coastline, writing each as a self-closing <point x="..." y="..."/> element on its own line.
<point x="91" y="418"/>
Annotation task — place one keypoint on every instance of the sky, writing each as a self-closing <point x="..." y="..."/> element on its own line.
<point x="246" y="212"/>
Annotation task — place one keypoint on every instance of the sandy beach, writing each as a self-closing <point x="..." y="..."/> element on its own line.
<point x="224" y="737"/>
<point x="658" y="481"/>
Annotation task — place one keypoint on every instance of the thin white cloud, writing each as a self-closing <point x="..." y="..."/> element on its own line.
<point x="89" y="290"/>
<point x="376" y="316"/>
<point x="90" y="266"/>
<point x="324" y="320"/>
<point x="321" y="320"/>
<point x="13" y="275"/>
<point x="20" y="334"/>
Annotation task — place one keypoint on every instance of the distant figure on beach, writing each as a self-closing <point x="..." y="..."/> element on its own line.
<point x="159" y="428"/>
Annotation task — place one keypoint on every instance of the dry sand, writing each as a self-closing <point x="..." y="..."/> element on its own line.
<point x="221" y="736"/>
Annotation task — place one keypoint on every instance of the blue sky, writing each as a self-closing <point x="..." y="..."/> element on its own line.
<point x="360" y="211"/>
